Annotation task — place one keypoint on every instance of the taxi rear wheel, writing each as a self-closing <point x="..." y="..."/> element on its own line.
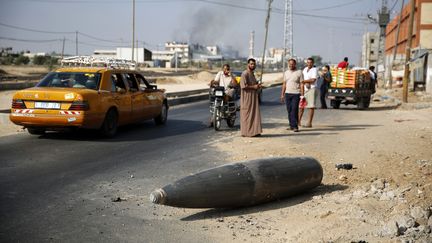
<point x="109" y="126"/>
<point x="35" y="131"/>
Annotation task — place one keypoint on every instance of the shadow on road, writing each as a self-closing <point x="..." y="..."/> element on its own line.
<point x="272" y="103"/>
<point x="372" y="108"/>
<point x="338" y="127"/>
<point x="136" y="132"/>
<point x="284" y="203"/>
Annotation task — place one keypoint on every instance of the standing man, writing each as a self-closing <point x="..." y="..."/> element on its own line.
<point x="250" y="115"/>
<point x="323" y="83"/>
<point x="344" y="64"/>
<point x="291" y="92"/>
<point x="310" y="91"/>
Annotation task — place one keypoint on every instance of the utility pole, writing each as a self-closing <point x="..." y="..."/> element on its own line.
<point x="63" y="46"/>
<point x="408" y="53"/>
<point x="396" y="44"/>
<point x="288" y="34"/>
<point x="265" y="38"/>
<point x="133" y="29"/>
<point x="383" y="19"/>
<point x="76" y="43"/>
<point x="252" y="44"/>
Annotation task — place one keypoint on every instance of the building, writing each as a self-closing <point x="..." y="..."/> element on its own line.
<point x="421" y="40"/>
<point x="370" y="49"/>
<point x="276" y="54"/>
<point x="141" y="55"/>
<point x="182" y="49"/>
<point x="163" y="58"/>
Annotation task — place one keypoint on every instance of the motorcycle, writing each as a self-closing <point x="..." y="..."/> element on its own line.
<point x="222" y="108"/>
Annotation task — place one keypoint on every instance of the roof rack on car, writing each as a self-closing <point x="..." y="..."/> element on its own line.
<point x="91" y="61"/>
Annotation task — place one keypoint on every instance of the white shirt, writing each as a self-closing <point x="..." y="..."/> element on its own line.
<point x="310" y="74"/>
<point x="223" y="79"/>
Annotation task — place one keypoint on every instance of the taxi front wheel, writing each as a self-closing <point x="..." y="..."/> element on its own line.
<point x="109" y="126"/>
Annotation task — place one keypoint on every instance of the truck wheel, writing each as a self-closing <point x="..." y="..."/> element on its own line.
<point x="335" y="104"/>
<point x="363" y="103"/>
<point x="367" y="102"/>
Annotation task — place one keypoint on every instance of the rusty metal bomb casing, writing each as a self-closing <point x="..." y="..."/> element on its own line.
<point x="242" y="184"/>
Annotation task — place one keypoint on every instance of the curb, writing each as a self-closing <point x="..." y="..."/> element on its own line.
<point x="17" y="85"/>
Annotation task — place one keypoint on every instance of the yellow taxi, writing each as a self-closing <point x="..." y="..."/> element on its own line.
<point x="88" y="97"/>
<point x="237" y="76"/>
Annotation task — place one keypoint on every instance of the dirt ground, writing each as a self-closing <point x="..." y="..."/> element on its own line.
<point x="386" y="197"/>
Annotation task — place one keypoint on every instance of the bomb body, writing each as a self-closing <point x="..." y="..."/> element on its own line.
<point x="242" y="184"/>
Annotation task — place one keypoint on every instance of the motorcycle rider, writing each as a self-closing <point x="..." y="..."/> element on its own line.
<point x="227" y="80"/>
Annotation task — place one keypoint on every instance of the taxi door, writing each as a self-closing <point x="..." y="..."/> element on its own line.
<point x="139" y="101"/>
<point x="151" y="94"/>
<point x="121" y="98"/>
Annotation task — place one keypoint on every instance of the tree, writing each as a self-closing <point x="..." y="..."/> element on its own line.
<point x="39" y="60"/>
<point x="20" y="60"/>
<point x="7" y="60"/>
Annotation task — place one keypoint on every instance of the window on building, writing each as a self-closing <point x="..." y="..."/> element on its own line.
<point x="372" y="40"/>
<point x="372" y="52"/>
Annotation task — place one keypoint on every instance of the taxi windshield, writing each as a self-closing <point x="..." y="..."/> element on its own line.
<point x="81" y="80"/>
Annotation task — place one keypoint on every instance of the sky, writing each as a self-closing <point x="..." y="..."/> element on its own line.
<point x="332" y="29"/>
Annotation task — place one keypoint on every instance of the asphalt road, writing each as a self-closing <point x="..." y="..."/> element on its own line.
<point x="82" y="188"/>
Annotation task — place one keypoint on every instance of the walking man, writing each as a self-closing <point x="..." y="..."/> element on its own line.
<point x="250" y="115"/>
<point x="291" y="92"/>
<point x="310" y="91"/>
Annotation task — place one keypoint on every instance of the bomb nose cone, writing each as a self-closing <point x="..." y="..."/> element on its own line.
<point x="158" y="196"/>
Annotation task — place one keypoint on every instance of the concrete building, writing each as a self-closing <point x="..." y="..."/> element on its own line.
<point x="141" y="55"/>
<point x="163" y="58"/>
<point x="370" y="49"/>
<point x="182" y="49"/>
<point x="106" y="53"/>
<point x="276" y="54"/>
<point x="421" y="40"/>
<point x="214" y="50"/>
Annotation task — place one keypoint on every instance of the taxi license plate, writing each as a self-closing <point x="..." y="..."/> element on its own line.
<point x="47" y="105"/>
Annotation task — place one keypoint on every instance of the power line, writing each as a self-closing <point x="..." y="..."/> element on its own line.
<point x="99" y="39"/>
<point x="330" y="7"/>
<point x="35" y="30"/>
<point x="344" y="19"/>
<point x="394" y="5"/>
<point x="33" y="41"/>
<point x="59" y="32"/>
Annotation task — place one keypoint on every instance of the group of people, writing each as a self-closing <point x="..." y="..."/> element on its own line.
<point x="301" y="89"/>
